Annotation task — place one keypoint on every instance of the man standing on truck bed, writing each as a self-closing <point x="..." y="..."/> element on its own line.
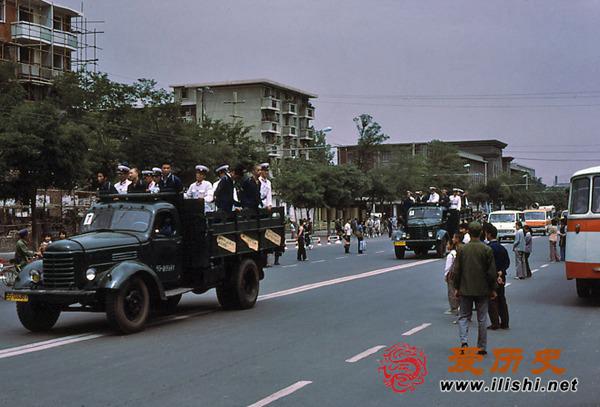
<point x="169" y="182"/>
<point x="105" y="186"/>
<point x="224" y="189"/>
<point x="124" y="182"/>
<point x="201" y="189"/>
<point x="248" y="188"/>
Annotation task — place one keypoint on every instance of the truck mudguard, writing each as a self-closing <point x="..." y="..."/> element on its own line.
<point x="116" y="276"/>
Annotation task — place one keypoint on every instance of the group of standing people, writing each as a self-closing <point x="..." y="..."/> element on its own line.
<point x="24" y="255"/>
<point x="233" y="190"/>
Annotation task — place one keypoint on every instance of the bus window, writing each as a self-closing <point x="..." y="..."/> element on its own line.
<point x="596" y="195"/>
<point x="580" y="196"/>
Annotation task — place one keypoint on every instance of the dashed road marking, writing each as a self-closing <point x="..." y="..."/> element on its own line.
<point x="290" y="265"/>
<point x="364" y="354"/>
<point x="53" y="343"/>
<point x="534" y="271"/>
<point x="507" y="284"/>
<point x="281" y="393"/>
<point x="543" y="266"/>
<point x="416" y="329"/>
<point x="380" y="251"/>
<point x="318" y="261"/>
<point x="340" y="258"/>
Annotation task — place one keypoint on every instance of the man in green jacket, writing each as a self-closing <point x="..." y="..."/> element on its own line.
<point x="22" y="252"/>
<point x="474" y="282"/>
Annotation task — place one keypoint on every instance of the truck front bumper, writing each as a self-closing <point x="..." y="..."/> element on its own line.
<point x="64" y="297"/>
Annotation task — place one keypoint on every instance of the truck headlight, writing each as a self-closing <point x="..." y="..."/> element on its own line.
<point x="404" y="236"/>
<point x="90" y="274"/>
<point x="430" y="234"/>
<point x="408" y="235"/>
<point x="35" y="275"/>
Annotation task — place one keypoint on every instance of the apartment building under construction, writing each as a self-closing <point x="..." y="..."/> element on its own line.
<point x="42" y="38"/>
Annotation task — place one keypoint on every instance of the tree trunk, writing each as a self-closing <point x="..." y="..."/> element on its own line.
<point x="328" y="218"/>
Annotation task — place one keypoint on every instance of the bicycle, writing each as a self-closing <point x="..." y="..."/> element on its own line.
<point x="8" y="274"/>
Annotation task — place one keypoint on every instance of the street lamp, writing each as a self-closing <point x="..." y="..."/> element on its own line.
<point x="526" y="176"/>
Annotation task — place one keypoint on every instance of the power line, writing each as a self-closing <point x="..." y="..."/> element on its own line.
<point x="558" y="159"/>
<point x="444" y="96"/>
<point x="440" y="106"/>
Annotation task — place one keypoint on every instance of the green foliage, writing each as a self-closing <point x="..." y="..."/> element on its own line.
<point x="444" y="166"/>
<point x="370" y="139"/>
<point x="299" y="184"/>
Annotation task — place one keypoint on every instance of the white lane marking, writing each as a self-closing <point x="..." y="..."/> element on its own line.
<point x="36" y="344"/>
<point x="343" y="257"/>
<point x="47" y="345"/>
<point x="380" y="251"/>
<point x="543" y="266"/>
<point x="281" y="393"/>
<point x="416" y="329"/>
<point x="359" y="255"/>
<point x="339" y="280"/>
<point x="318" y="261"/>
<point x="290" y="265"/>
<point x="364" y="354"/>
<point x="507" y="284"/>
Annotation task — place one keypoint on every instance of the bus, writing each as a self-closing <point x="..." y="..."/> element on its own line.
<point x="583" y="232"/>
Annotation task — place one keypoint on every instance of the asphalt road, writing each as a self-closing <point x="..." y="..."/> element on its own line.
<point x="302" y="343"/>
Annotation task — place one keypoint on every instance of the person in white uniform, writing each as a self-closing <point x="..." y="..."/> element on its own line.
<point x="434" y="197"/>
<point x="266" y="192"/>
<point x="124" y="182"/>
<point x="201" y="189"/>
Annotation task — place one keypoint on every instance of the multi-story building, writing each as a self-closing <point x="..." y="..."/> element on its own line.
<point x="483" y="158"/>
<point x="38" y="36"/>
<point x="280" y="115"/>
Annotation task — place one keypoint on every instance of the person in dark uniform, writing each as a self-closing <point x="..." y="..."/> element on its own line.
<point x="408" y="202"/>
<point x="248" y="189"/>
<point x="168" y="181"/>
<point x="223" y="194"/>
<point x="137" y="186"/>
<point x="105" y="186"/>
<point x="498" y="309"/>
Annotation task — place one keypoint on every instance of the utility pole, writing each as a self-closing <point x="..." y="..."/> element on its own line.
<point x="234" y="104"/>
<point x="202" y="91"/>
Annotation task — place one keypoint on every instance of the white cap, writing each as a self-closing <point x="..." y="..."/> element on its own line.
<point x="223" y="167"/>
<point x="123" y="168"/>
<point x="156" y="171"/>
<point x="201" y="168"/>
<point x="264" y="166"/>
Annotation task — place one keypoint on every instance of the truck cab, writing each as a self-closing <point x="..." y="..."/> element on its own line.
<point x="136" y="251"/>
<point x="425" y="230"/>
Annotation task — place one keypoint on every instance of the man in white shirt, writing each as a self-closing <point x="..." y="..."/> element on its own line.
<point x="434" y="197"/>
<point x="464" y="230"/>
<point x="153" y="187"/>
<point x="201" y="189"/>
<point x="455" y="201"/>
<point x="266" y="192"/>
<point x="124" y="182"/>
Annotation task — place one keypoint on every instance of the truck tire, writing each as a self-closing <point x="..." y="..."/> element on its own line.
<point x="241" y="291"/>
<point x="584" y="288"/>
<point x="127" y="308"/>
<point x="37" y="317"/>
<point x="400" y="251"/>
<point x="440" y="248"/>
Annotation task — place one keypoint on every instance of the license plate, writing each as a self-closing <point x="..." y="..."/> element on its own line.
<point x="400" y="243"/>
<point x="16" y="297"/>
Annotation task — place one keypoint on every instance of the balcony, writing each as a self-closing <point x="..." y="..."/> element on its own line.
<point x="30" y="32"/>
<point x="308" y="113"/>
<point x="270" y="103"/>
<point x="273" y="151"/>
<point x="37" y="73"/>
<point x="289" y="131"/>
<point x="290" y="108"/>
<point x="307" y="134"/>
<point x="270" y="127"/>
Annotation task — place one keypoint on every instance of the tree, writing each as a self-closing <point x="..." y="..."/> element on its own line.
<point x="444" y="166"/>
<point x="299" y="184"/>
<point x="320" y="150"/>
<point x="370" y="139"/>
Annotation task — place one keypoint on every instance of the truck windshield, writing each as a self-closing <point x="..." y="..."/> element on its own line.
<point x="136" y="220"/>
<point x="502" y="218"/>
<point x="535" y="216"/>
<point x="432" y="213"/>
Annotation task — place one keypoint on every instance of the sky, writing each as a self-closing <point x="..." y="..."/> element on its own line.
<point x="523" y="72"/>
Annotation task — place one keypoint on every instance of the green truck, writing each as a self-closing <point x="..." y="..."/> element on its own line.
<point x="138" y="252"/>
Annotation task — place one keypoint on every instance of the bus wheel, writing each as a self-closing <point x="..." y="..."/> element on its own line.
<point x="584" y="288"/>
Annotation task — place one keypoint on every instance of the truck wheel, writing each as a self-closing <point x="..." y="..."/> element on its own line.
<point x="584" y="288"/>
<point x="37" y="317"/>
<point x="128" y="307"/>
<point x="400" y="251"/>
<point x="241" y="291"/>
<point x="440" y="249"/>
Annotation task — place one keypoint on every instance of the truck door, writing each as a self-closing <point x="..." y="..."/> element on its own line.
<point x="167" y="245"/>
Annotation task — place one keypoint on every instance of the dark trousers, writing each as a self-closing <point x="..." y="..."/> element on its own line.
<point x="301" y="250"/>
<point x="527" y="267"/>
<point x="453" y="221"/>
<point x="360" y="246"/>
<point x="346" y="244"/>
<point x="498" y="309"/>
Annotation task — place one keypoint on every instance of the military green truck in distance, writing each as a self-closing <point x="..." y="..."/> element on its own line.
<point x="139" y="251"/>
<point x="425" y="230"/>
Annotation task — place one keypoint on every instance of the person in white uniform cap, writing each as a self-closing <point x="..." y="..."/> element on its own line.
<point x="123" y="184"/>
<point x="201" y="189"/>
<point x="434" y="197"/>
<point x="266" y="192"/>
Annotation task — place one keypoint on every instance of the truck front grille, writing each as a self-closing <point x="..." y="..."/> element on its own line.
<point x="59" y="270"/>
<point x="417" y="232"/>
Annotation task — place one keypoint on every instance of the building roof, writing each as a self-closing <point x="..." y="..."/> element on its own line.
<point x="472" y="157"/>
<point x="244" y="83"/>
<point x="66" y="10"/>
<point x="493" y="143"/>
<point x="587" y="171"/>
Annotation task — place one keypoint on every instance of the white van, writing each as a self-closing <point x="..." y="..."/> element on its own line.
<point x="505" y="221"/>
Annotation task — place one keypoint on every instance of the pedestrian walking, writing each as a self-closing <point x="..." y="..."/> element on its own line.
<point x="562" y="239"/>
<point x="347" y="235"/>
<point x="519" y="249"/>
<point x="453" y="247"/>
<point x="498" y="308"/>
<point x="475" y="283"/>
<point x="360" y="236"/>
<point x="528" y="249"/>
<point x="301" y="254"/>
<point x="552" y="240"/>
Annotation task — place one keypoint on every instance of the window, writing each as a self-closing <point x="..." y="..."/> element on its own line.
<point x="277" y="117"/>
<point x="580" y="196"/>
<point x="25" y="55"/>
<point x="57" y="61"/>
<point x="287" y="121"/>
<point x="2" y="10"/>
<point x="267" y="92"/>
<point x="25" y="14"/>
<point x="184" y="93"/>
<point x="596" y="196"/>
<point x="58" y="23"/>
